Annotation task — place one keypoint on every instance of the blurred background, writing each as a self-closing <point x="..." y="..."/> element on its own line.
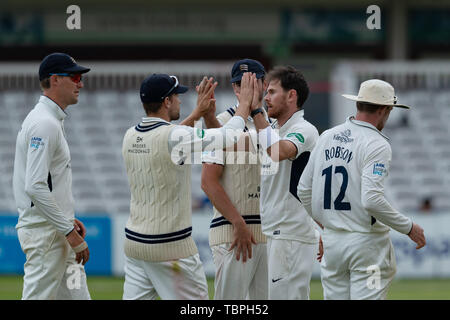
<point x="334" y="44"/>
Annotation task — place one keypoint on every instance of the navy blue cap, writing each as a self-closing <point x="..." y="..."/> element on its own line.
<point x="247" y="65"/>
<point x="156" y="87"/>
<point x="59" y="63"/>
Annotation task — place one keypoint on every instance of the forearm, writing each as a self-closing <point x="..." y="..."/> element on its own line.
<point x="306" y="199"/>
<point x="277" y="149"/>
<point x="185" y="140"/>
<point x="44" y="201"/>
<point x="211" y="121"/>
<point x="377" y="206"/>
<point x="260" y="122"/>
<point x="372" y="191"/>
<point x="304" y="188"/>
<point x="191" y="119"/>
<point x="243" y="110"/>
<point x="219" y="198"/>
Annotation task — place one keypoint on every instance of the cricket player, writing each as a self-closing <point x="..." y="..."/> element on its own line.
<point x="49" y="234"/>
<point x="161" y="257"/>
<point x="232" y="182"/>
<point x="292" y="240"/>
<point x="342" y="188"/>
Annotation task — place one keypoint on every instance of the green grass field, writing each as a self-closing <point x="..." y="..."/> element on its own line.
<point x="110" y="288"/>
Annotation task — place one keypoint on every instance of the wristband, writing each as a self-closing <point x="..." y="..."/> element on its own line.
<point x="80" y="247"/>
<point x="267" y="137"/>
<point x="255" y="112"/>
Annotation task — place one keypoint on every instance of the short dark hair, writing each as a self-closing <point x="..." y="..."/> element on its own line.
<point x="291" y="78"/>
<point x="367" y="107"/>
<point x="45" y="83"/>
<point x="153" y="107"/>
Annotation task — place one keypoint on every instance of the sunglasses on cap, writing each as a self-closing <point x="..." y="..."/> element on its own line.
<point x="75" y="77"/>
<point x="171" y="89"/>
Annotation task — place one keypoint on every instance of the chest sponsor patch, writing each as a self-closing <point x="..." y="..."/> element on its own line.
<point x="379" y="169"/>
<point x="36" y="143"/>
<point x="200" y="133"/>
<point x="298" y="136"/>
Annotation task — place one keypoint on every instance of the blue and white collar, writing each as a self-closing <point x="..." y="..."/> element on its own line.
<point x="352" y="119"/>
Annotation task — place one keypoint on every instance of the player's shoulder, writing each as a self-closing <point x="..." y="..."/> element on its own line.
<point x="41" y="122"/>
<point x="304" y="127"/>
<point x="311" y="128"/>
<point x="338" y="128"/>
<point x="131" y="130"/>
<point x="374" y="143"/>
<point x="326" y="133"/>
<point x="376" y="139"/>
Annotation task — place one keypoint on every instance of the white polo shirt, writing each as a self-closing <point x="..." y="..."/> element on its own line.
<point x="282" y="214"/>
<point x="42" y="179"/>
<point x="342" y="186"/>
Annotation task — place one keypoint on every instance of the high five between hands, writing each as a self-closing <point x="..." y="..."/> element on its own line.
<point x="249" y="97"/>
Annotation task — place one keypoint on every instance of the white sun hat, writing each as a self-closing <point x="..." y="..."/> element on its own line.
<point x="378" y="92"/>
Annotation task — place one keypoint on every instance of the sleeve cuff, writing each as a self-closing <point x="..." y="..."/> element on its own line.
<point x="410" y="228"/>
<point x="70" y="230"/>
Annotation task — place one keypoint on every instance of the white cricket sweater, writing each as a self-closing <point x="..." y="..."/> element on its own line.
<point x="342" y="186"/>
<point x="241" y="181"/>
<point x="156" y="155"/>
<point x="42" y="179"/>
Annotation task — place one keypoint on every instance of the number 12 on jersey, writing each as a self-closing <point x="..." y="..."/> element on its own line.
<point x="338" y="204"/>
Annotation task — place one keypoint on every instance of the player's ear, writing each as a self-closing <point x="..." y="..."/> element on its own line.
<point x="292" y="95"/>
<point x="53" y="80"/>
<point x="165" y="103"/>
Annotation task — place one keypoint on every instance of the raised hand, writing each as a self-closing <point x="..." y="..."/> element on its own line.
<point x="257" y="94"/>
<point x="205" y="99"/>
<point x="246" y="95"/>
<point x="212" y="107"/>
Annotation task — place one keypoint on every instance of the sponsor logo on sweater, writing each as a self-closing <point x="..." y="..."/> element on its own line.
<point x="379" y="169"/>
<point x="344" y="136"/>
<point x="37" y="142"/>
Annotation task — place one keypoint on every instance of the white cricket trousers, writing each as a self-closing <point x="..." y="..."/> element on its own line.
<point x="290" y="266"/>
<point x="50" y="270"/>
<point x="182" y="279"/>
<point x="236" y="280"/>
<point x="357" y="265"/>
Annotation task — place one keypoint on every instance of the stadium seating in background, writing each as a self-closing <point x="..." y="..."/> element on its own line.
<point x="94" y="129"/>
